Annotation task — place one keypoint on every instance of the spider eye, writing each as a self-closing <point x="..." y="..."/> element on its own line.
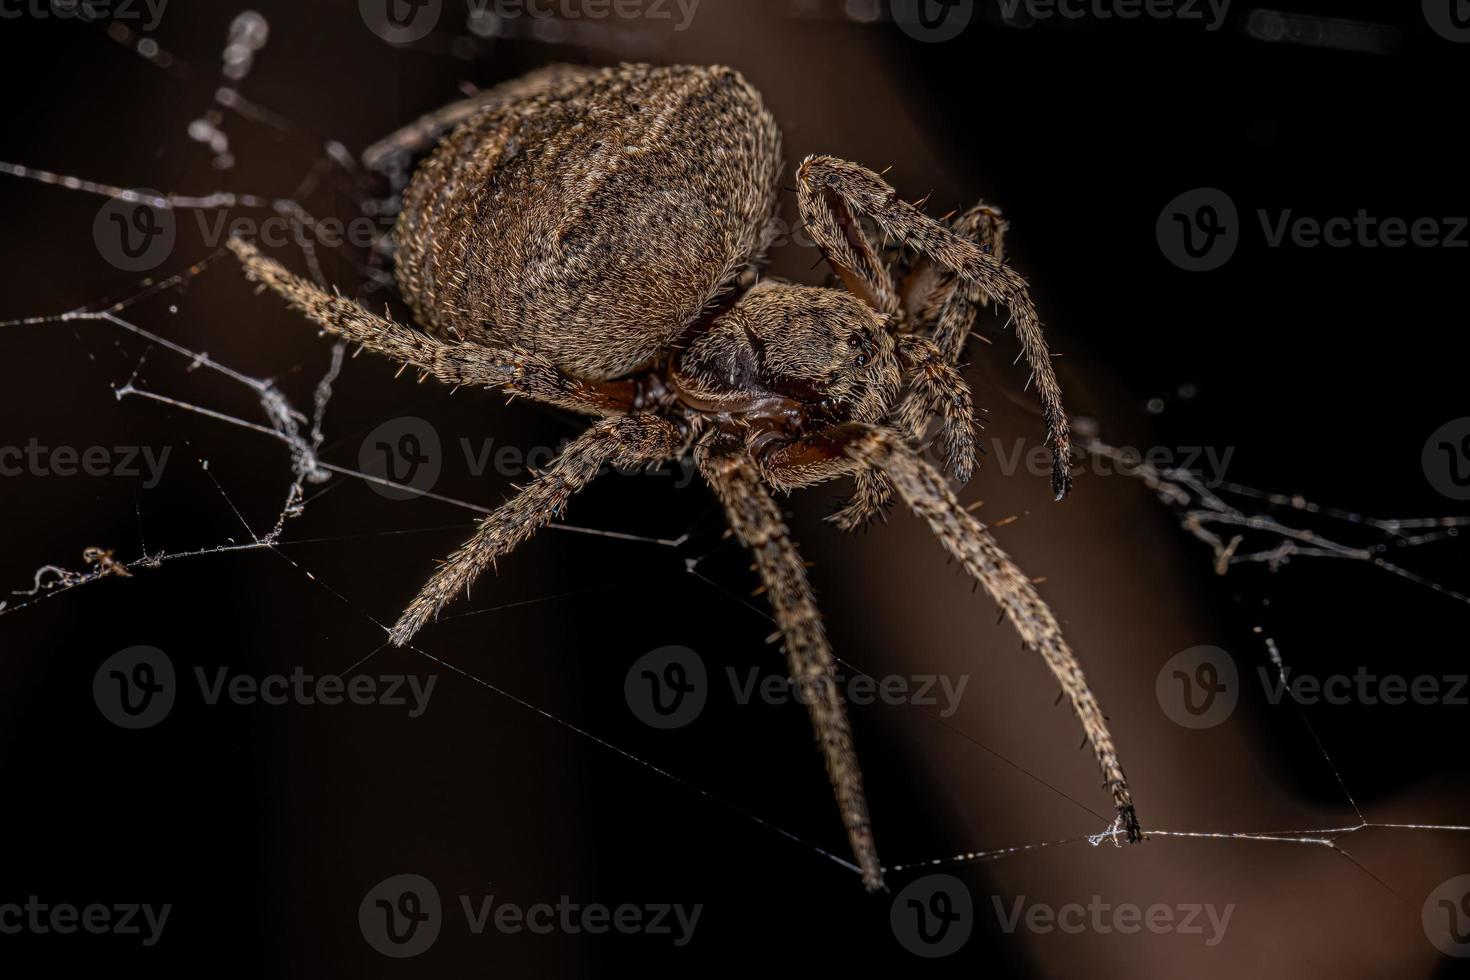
<point x="862" y="360"/>
<point x="853" y="341"/>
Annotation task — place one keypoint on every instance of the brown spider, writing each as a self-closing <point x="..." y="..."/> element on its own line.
<point x="591" y="239"/>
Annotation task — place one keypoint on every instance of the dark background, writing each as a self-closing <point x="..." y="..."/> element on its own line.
<point x="1326" y="369"/>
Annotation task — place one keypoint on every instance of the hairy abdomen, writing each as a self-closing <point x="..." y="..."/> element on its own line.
<point x="591" y="216"/>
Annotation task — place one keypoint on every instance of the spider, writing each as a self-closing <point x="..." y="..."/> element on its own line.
<point x="592" y="239"/>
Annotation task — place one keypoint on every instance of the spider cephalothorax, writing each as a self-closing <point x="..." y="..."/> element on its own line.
<point x="592" y="239"/>
<point x="786" y="358"/>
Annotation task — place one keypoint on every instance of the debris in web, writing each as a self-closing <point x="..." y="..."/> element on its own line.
<point x="282" y="422"/>
<point x="1206" y="513"/>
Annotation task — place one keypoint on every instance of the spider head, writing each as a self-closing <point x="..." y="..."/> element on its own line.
<point x="823" y="350"/>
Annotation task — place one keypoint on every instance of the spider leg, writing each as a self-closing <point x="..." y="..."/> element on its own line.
<point x="822" y="180"/>
<point x="846" y="247"/>
<point x="938" y="389"/>
<point x="626" y="440"/>
<point x="970" y="543"/>
<point x="519" y="372"/>
<point x="791" y="466"/>
<point x="931" y="296"/>
<point x="757" y="522"/>
<point x="392" y="154"/>
<point x="871" y="497"/>
<point x="849" y="252"/>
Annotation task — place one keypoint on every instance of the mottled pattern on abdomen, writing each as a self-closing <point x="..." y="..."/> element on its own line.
<point x="591" y="216"/>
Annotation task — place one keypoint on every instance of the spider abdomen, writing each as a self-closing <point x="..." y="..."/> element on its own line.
<point x="591" y="216"/>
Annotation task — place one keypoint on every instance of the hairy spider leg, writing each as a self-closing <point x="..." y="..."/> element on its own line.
<point x="821" y="456"/>
<point x="820" y="179"/>
<point x="758" y="524"/>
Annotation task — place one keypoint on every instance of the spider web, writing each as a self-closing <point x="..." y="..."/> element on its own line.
<point x="1236" y="525"/>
